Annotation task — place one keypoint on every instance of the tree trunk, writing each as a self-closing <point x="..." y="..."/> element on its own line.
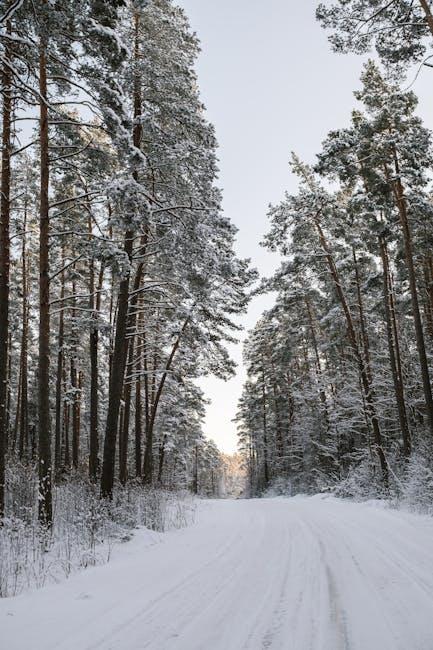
<point x="95" y="303"/>
<point x="45" y="461"/>
<point x="362" y="322"/>
<point x="428" y="14"/>
<point x="118" y="363"/>
<point x="148" y="454"/>
<point x="59" y="375"/>
<point x="66" y="420"/>
<point x="18" y="409"/>
<point x="148" y="392"/>
<point x="138" y="407"/>
<point x="138" y="427"/>
<point x="24" y="407"/>
<point x="161" y="458"/>
<point x="132" y="320"/>
<point x="392" y="346"/>
<point x="278" y="427"/>
<point x="8" y="391"/>
<point x="124" y="424"/>
<point x="410" y="265"/>
<point x="116" y="380"/>
<point x="319" y="372"/>
<point x="428" y="301"/>
<point x="265" y="432"/>
<point x="5" y="260"/>
<point x="365" y="380"/>
<point x="430" y="285"/>
<point x="76" y="378"/>
<point x="75" y="384"/>
<point x="195" y="475"/>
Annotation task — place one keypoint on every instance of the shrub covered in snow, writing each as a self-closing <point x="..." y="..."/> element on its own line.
<point x="417" y="490"/>
<point x="280" y="486"/>
<point x="85" y="527"/>
<point x="362" y="482"/>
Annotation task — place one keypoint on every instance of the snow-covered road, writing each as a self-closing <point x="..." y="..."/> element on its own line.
<point x="292" y="574"/>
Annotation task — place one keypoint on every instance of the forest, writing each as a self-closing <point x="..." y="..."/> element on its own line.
<point x="339" y="389"/>
<point x="119" y="283"/>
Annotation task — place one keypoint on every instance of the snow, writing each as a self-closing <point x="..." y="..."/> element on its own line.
<point x="307" y="573"/>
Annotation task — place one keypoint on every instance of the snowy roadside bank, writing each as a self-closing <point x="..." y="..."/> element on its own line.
<point x="86" y="532"/>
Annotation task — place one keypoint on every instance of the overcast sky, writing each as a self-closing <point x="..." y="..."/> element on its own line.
<point x="271" y="85"/>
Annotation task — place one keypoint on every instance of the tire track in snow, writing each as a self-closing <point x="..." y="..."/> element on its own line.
<point x="189" y="598"/>
<point x="378" y="583"/>
<point x="268" y="574"/>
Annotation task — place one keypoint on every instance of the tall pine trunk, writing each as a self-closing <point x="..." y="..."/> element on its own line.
<point x="66" y="420"/>
<point x="75" y="384"/>
<point x="95" y="305"/>
<point x="393" y="347"/>
<point x="45" y="461"/>
<point x="132" y="320"/>
<point x="430" y="287"/>
<point x="59" y="375"/>
<point x="428" y="311"/>
<point x="410" y="265"/>
<point x="319" y="371"/>
<point x="265" y="432"/>
<point x="138" y="403"/>
<point x="366" y="383"/>
<point x="161" y="458"/>
<point x="23" y="429"/>
<point x="118" y="362"/>
<point x="148" y="453"/>
<point x="5" y="260"/>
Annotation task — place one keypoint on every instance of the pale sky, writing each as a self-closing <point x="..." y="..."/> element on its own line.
<point x="271" y="84"/>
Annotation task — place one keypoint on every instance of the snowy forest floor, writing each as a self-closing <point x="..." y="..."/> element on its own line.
<point x="305" y="573"/>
